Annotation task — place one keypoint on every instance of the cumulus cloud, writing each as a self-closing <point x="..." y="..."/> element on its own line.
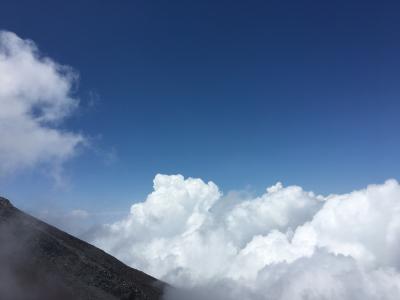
<point x="35" y="97"/>
<point x="285" y="244"/>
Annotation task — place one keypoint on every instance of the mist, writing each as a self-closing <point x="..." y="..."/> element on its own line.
<point x="23" y="274"/>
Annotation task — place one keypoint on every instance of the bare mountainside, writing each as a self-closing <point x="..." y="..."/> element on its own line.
<point x="39" y="261"/>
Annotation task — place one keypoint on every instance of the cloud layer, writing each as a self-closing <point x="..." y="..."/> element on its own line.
<point x="285" y="244"/>
<point x="35" y="97"/>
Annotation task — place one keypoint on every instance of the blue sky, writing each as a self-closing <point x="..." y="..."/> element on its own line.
<point x="243" y="93"/>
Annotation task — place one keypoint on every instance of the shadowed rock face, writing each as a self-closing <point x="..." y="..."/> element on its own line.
<point x="40" y="262"/>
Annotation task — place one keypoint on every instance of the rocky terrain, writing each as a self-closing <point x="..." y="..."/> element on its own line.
<point x="39" y="261"/>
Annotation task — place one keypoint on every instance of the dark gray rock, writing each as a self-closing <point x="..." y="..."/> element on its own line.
<point x="39" y="261"/>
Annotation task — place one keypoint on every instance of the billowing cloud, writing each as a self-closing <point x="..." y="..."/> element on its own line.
<point x="285" y="244"/>
<point x="35" y="97"/>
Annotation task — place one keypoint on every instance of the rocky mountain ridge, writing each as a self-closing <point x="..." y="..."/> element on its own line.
<point x="39" y="261"/>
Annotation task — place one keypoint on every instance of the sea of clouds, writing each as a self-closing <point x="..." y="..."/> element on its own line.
<point x="285" y="244"/>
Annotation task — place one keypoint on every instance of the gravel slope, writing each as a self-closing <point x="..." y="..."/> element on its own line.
<point x="39" y="261"/>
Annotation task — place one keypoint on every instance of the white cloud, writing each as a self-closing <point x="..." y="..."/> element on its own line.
<point x="35" y="97"/>
<point x="285" y="244"/>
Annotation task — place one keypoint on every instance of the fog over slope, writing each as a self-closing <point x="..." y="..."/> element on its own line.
<point x="285" y="244"/>
<point x="40" y="262"/>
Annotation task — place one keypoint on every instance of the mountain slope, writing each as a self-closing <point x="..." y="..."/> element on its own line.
<point x="38" y="261"/>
